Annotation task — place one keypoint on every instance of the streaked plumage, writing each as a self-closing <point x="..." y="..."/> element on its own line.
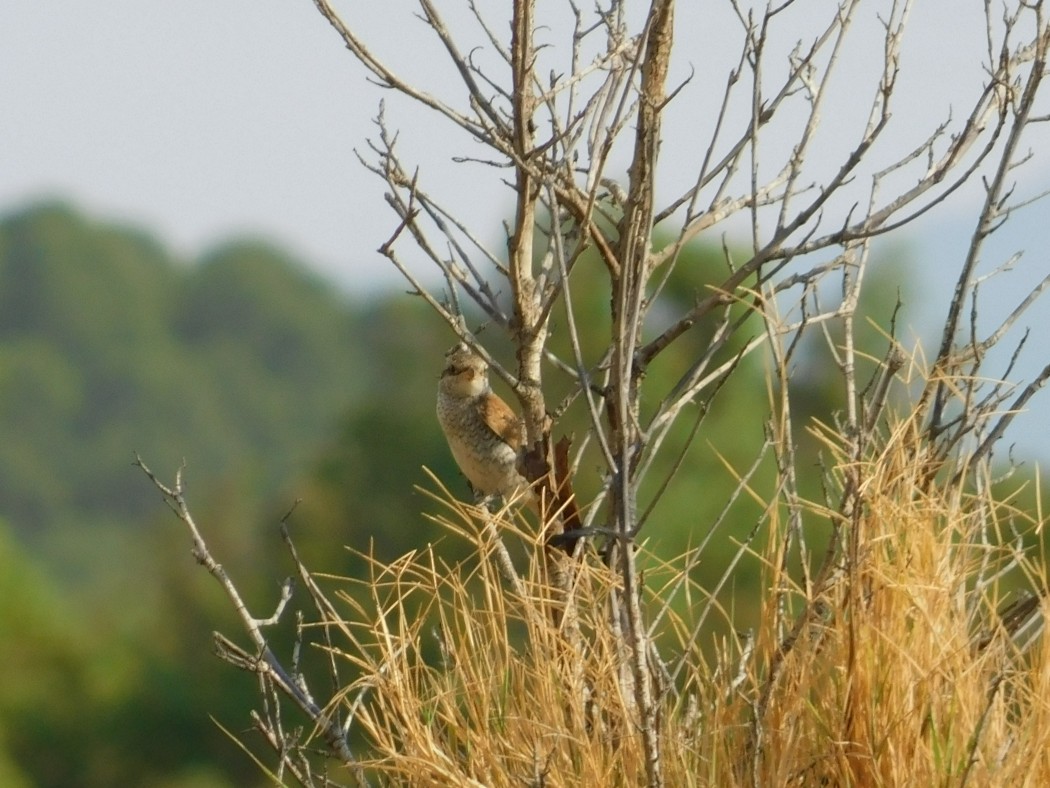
<point x="483" y="432"/>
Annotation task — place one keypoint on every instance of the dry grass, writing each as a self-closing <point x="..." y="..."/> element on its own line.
<point x="902" y="672"/>
<point x="906" y="676"/>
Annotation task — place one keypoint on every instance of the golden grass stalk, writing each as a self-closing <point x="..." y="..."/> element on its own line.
<point x="906" y="674"/>
<point x="901" y="672"/>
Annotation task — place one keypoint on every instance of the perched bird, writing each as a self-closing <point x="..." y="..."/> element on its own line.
<point x="484" y="434"/>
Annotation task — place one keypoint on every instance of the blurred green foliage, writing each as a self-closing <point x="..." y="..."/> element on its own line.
<point x="272" y="388"/>
<point x="241" y="364"/>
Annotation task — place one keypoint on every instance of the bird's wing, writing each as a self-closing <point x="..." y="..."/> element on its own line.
<point x="503" y="421"/>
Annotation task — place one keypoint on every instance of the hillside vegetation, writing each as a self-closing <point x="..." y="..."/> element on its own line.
<point x="241" y="364"/>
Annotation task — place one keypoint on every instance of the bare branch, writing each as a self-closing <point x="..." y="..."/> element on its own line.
<point x="263" y="661"/>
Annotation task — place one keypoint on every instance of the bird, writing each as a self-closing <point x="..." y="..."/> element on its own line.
<point x="484" y="433"/>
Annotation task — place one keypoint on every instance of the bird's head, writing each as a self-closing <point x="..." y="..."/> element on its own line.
<point x="465" y="373"/>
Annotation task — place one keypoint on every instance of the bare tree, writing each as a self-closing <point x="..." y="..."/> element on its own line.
<point x="555" y="106"/>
